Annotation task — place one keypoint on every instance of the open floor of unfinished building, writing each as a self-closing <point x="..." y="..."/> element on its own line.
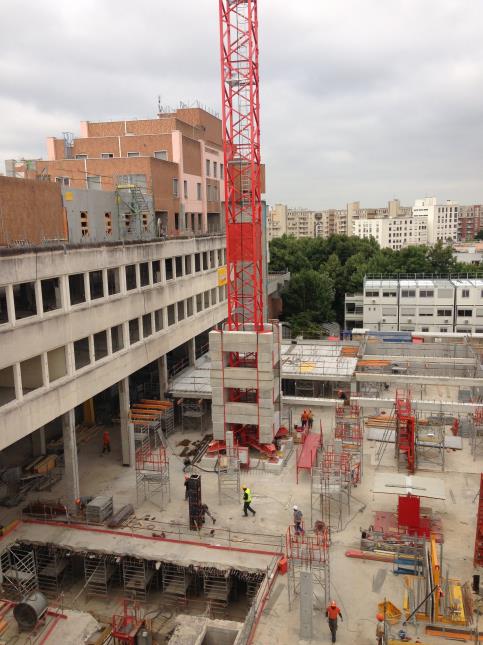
<point x="225" y="581"/>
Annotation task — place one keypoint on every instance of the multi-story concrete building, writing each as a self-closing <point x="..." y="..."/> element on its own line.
<point x="330" y="222"/>
<point x="470" y="222"/>
<point x="301" y="222"/>
<point x="393" y="227"/>
<point x="277" y="221"/>
<point x="176" y="159"/>
<point x="443" y="219"/>
<point x="418" y="304"/>
<point x="76" y="321"/>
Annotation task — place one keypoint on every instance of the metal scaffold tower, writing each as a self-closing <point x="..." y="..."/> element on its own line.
<point x="478" y="556"/>
<point x="100" y="573"/>
<point x="308" y="552"/>
<point x="152" y="471"/>
<point x="405" y="433"/>
<point x="477" y="433"/>
<point x="176" y="580"/>
<point x="19" y="571"/>
<point x="430" y="437"/>
<point x="138" y="578"/>
<point x="349" y="430"/>
<point x="193" y="414"/>
<point x="331" y="483"/>
<point x="53" y="566"/>
<point x="229" y="472"/>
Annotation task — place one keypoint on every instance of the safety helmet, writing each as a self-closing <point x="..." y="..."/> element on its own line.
<point x="295" y="508"/>
<point x="77" y="501"/>
<point x="244" y="487"/>
<point x="380" y="617"/>
<point x="333" y="604"/>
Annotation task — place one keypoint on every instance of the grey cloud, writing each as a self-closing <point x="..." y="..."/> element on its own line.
<point x="360" y="100"/>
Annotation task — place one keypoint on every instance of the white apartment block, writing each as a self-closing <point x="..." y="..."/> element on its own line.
<point x="277" y="221"/>
<point x="393" y="232"/>
<point x="300" y="222"/>
<point x="425" y="305"/>
<point x="443" y="219"/>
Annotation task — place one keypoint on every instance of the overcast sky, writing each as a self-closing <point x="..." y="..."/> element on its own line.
<point x="360" y="99"/>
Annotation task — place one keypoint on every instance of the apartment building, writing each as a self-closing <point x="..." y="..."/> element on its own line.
<point x="175" y="159"/>
<point x="277" y="221"/>
<point x="329" y="222"/>
<point x="470" y="222"/>
<point x="418" y="304"/>
<point x="443" y="219"/>
<point x="301" y="222"/>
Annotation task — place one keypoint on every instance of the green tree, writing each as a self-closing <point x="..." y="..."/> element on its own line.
<point x="310" y="293"/>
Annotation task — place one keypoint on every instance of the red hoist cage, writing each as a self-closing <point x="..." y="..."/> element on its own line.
<point x="241" y="142"/>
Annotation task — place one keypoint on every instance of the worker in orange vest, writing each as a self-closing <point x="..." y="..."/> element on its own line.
<point x="106" y="442"/>
<point x="304" y="418"/>
<point x="333" y="612"/>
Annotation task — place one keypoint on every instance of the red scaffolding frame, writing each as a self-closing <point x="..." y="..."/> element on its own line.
<point x="241" y="147"/>
<point x="405" y="431"/>
<point x="478" y="556"/>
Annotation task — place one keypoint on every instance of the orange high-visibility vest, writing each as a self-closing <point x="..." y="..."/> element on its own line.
<point x="333" y="612"/>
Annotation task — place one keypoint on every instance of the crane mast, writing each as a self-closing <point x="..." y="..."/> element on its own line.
<point x="241" y="142"/>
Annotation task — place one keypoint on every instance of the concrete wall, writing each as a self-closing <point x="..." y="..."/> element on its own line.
<point x="30" y="211"/>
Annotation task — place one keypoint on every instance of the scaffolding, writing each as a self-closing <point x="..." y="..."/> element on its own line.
<point x="100" y="573"/>
<point x="152" y="472"/>
<point x="193" y="414"/>
<point x="476" y="441"/>
<point x="308" y="552"/>
<point x="19" y="571"/>
<point x="138" y="577"/>
<point x="430" y="436"/>
<point x="217" y="587"/>
<point x="229" y="472"/>
<point x="53" y="567"/>
<point x="330" y="490"/>
<point x="405" y="443"/>
<point x="176" y="581"/>
<point x="349" y="430"/>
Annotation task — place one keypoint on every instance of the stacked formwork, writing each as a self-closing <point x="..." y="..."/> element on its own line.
<point x="245" y="381"/>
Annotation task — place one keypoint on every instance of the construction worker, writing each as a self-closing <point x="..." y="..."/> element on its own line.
<point x="310" y="419"/>
<point x="81" y="502"/>
<point x="247" y="500"/>
<point x="186" y="480"/>
<point x="297" y="520"/>
<point x="380" y="630"/>
<point x="333" y="612"/>
<point x="304" y="417"/>
<point x="106" y="442"/>
<point x="206" y="511"/>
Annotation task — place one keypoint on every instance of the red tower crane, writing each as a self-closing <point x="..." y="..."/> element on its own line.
<point x="241" y="142"/>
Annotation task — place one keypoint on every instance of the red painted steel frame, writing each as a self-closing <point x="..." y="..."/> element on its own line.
<point x="478" y="556"/>
<point x="241" y="142"/>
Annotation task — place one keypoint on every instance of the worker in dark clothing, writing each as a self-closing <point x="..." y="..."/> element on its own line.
<point x="333" y="612"/>
<point x="186" y="465"/>
<point x="106" y="442"/>
<point x="297" y="520"/>
<point x="81" y="502"/>
<point x="247" y="500"/>
<point x="206" y="511"/>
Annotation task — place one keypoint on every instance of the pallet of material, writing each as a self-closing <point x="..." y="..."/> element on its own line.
<point x="380" y="421"/>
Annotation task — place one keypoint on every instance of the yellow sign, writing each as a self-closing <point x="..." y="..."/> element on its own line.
<point x="68" y="196"/>
<point x="222" y="276"/>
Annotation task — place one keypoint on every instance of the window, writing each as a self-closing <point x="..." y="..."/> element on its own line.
<point x="81" y="353"/>
<point x="389" y="294"/>
<point x="443" y="329"/>
<point x="465" y="293"/>
<point x="180" y="310"/>
<point x="208" y="168"/>
<point x="213" y="297"/>
<point x="372" y="294"/>
<point x="197" y="263"/>
<point x="426" y="293"/>
<point x="185" y="189"/>
<point x="50" y="294"/>
<point x="161" y="154"/>
<point x="147" y="325"/>
<point x="3" y="306"/>
<point x="189" y="307"/>
<point x="131" y="282"/>
<point x="206" y="299"/>
<point x="133" y="331"/>
<point x="408" y="293"/>
<point x="212" y="259"/>
<point x="198" y="191"/>
<point x="117" y="340"/>
<point x="479" y="312"/>
<point x="106" y="155"/>
<point x="444" y="313"/>
<point x="221" y="171"/>
<point x="179" y="266"/>
<point x="108" y="224"/>
<point x="386" y="311"/>
<point x="81" y="156"/>
<point x="96" y="285"/>
<point x="171" y="315"/>
<point x="187" y="264"/>
<point x="94" y="182"/>
<point x="156" y="271"/>
<point x="424" y="328"/>
<point x="64" y="181"/>
<point x="77" y="289"/>
<point x="100" y="345"/>
<point x="113" y="286"/>
<point x="24" y="300"/>
<point x="144" y="273"/>
<point x="408" y="311"/>
<point x="175" y="187"/>
<point x="425" y="312"/>
<point x="168" y="263"/>
<point x="465" y="313"/>
<point x="84" y="223"/>
<point x="133" y="154"/>
<point x="158" y="320"/>
<point x="205" y="261"/>
<point x="215" y="169"/>
<point x="199" y="302"/>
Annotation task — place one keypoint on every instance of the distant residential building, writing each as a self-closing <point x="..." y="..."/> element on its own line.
<point x="419" y="304"/>
<point x="277" y="221"/>
<point x="330" y="222"/>
<point x="470" y="222"/>
<point x="301" y="222"/>
<point x="469" y="253"/>
<point x="443" y="219"/>
<point x="393" y="227"/>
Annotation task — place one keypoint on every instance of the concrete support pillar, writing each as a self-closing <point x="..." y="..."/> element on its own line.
<point x="87" y="287"/>
<point x="70" y="358"/>
<point x="45" y="369"/>
<point x="71" y="464"/>
<point x="191" y="351"/>
<point x="38" y="299"/>
<point x="64" y="292"/>
<point x="127" y="429"/>
<point x="17" y="379"/>
<point x="39" y="445"/>
<point x="105" y="286"/>
<point x="10" y="304"/>
<point x="306" y="603"/>
<point x="163" y="376"/>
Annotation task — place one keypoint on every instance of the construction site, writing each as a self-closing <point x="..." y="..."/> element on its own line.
<point x="174" y="471"/>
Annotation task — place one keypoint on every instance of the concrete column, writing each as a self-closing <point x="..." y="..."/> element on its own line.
<point x="122" y="279"/>
<point x="163" y="376"/>
<point x="45" y="369"/>
<point x="71" y="464"/>
<point x="39" y="445"/>
<point x="306" y="603"/>
<point x="150" y="273"/>
<point x="69" y="357"/>
<point x="10" y="304"/>
<point x="105" y="287"/>
<point x="137" y="269"/>
<point x="109" y="342"/>
<point x="17" y="379"/>
<point x="38" y="299"/>
<point x="191" y="352"/>
<point x="64" y="292"/>
<point x="92" y="357"/>
<point x="87" y="287"/>
<point x="125" y="334"/>
<point x="127" y="430"/>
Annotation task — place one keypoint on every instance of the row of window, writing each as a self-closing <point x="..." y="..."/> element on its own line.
<point x="215" y="169"/>
<point x="158" y="154"/>
<point x="101" y="344"/>
<point x="423" y="293"/>
<point x="29" y="299"/>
